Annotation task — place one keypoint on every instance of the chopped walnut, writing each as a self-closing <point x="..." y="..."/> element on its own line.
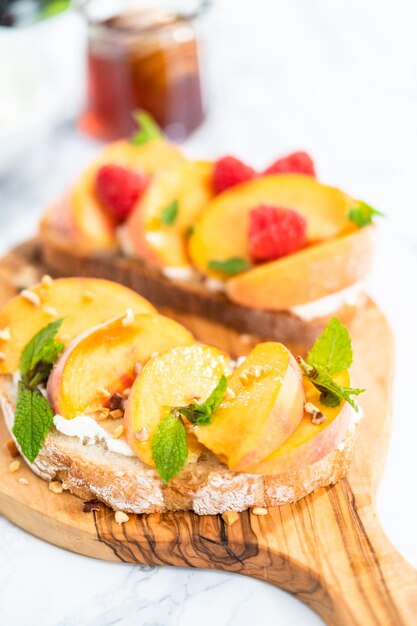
<point x="116" y="414"/>
<point x="118" y="432"/>
<point x="31" y="297"/>
<point x="14" y="466"/>
<point x="91" y="505"/>
<point x="259" y="510"/>
<point x="11" y="448"/>
<point x="230" y="517"/>
<point x="120" y="517"/>
<point x="142" y="434"/>
<point x="5" y="334"/>
<point x="116" y="401"/>
<point x="55" y="486"/>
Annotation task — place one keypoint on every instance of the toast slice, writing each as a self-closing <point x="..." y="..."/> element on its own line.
<point x="204" y="486"/>
<point x="190" y="297"/>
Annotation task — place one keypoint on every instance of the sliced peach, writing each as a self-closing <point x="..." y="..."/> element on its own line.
<point x="310" y="442"/>
<point x="221" y="232"/>
<point x="264" y="406"/>
<point x="174" y="378"/>
<point x="307" y="275"/>
<point x="103" y="360"/>
<point x="86" y="223"/>
<point x="83" y="302"/>
<point x="146" y="236"/>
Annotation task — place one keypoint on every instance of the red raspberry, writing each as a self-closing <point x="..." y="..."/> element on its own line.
<point x="275" y="232"/>
<point x="118" y="189"/>
<point x="229" y="172"/>
<point x="296" y="163"/>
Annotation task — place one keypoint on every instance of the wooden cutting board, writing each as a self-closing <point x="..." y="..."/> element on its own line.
<point x="327" y="549"/>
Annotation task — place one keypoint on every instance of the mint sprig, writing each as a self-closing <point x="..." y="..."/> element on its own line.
<point x="148" y="129"/>
<point x="231" y="267"/>
<point x="169" y="444"/>
<point x="330" y="354"/>
<point x="33" y="414"/>
<point x="363" y="214"/>
<point x="169" y="213"/>
<point x="200" y="414"/>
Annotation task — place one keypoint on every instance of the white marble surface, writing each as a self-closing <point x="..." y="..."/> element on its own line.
<point x="339" y="79"/>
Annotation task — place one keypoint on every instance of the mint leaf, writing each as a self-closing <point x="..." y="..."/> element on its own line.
<point x="40" y="354"/>
<point x="200" y="414"/>
<point x="169" y="213"/>
<point x="169" y="446"/>
<point x="331" y="392"/>
<point x="234" y="265"/>
<point x="148" y="129"/>
<point x="33" y="420"/>
<point x="363" y="214"/>
<point x="333" y="349"/>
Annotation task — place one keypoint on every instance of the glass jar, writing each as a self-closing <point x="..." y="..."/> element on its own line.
<point x="141" y="58"/>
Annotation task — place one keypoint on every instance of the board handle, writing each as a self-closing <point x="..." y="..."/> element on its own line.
<point x="352" y="575"/>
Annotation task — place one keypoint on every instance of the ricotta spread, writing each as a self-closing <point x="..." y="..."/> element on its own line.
<point x="90" y="433"/>
<point x="329" y="304"/>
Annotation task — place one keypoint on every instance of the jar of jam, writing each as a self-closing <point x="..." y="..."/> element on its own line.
<point x="141" y="58"/>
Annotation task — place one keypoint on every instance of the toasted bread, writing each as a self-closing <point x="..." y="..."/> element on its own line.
<point x="191" y="297"/>
<point x="204" y="486"/>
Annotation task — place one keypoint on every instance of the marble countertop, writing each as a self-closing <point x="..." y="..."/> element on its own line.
<point x="338" y="79"/>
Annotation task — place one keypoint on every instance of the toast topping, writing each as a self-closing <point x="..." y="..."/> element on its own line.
<point x="5" y="334"/>
<point x="31" y="297"/>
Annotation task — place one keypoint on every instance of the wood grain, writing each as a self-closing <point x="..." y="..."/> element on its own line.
<point x="327" y="549"/>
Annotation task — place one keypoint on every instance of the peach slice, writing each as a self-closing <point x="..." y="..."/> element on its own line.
<point x="103" y="360"/>
<point x="310" y="442"/>
<point x="263" y="407"/>
<point x="175" y="378"/>
<point x="307" y="275"/>
<point x="85" y="222"/>
<point x="324" y="208"/>
<point x="146" y="236"/>
<point x="83" y="302"/>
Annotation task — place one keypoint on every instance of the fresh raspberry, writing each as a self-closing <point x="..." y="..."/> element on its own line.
<point x="229" y="171"/>
<point x="118" y="189"/>
<point x="296" y="163"/>
<point x="275" y="232"/>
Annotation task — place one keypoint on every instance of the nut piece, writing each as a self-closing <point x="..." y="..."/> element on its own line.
<point x="230" y="517"/>
<point x="317" y="416"/>
<point x="5" y="334"/>
<point x="47" y="280"/>
<point x="118" y="432"/>
<point x="49" y="310"/>
<point x="55" y="486"/>
<point x="11" y="448"/>
<point x="31" y="297"/>
<point x="229" y="394"/>
<point x="14" y="466"/>
<point x="116" y="414"/>
<point x="120" y="517"/>
<point x="116" y="401"/>
<point x="128" y="319"/>
<point x="23" y="481"/>
<point x="142" y="434"/>
<point x="259" y="510"/>
<point x="126" y="392"/>
<point x="91" y="505"/>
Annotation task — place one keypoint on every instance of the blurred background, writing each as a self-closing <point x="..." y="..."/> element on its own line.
<point x="256" y="79"/>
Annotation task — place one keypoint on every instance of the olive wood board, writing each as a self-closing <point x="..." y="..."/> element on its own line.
<point x="328" y="549"/>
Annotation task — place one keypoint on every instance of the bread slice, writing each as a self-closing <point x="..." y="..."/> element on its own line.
<point x="204" y="486"/>
<point x="191" y="297"/>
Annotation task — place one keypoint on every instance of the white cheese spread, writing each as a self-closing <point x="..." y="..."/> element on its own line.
<point x="90" y="433"/>
<point x="329" y="304"/>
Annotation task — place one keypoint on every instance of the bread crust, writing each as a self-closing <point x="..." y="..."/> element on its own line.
<point x="204" y="486"/>
<point x="188" y="297"/>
